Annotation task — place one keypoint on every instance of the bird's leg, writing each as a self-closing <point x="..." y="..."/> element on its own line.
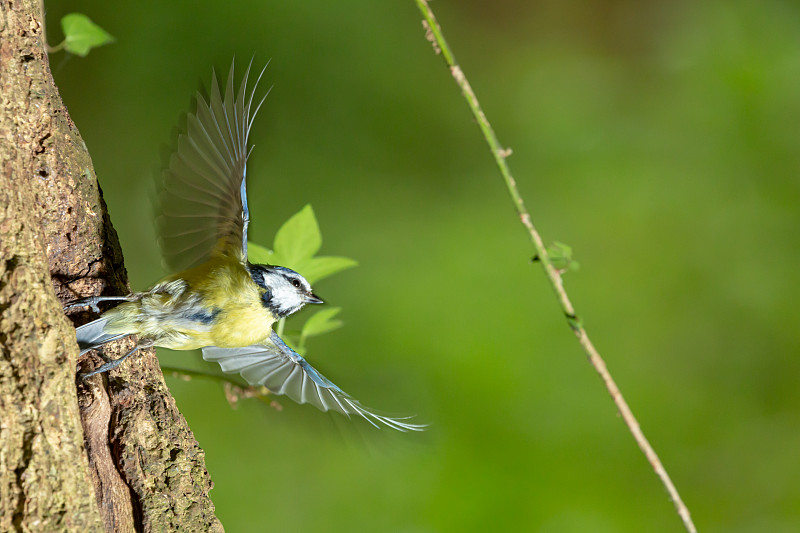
<point x="92" y="301"/>
<point x="111" y="364"/>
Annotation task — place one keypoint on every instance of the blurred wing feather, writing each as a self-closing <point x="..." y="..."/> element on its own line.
<point x="203" y="198"/>
<point x="283" y="371"/>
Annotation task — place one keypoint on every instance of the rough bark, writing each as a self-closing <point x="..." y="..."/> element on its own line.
<point x="111" y="453"/>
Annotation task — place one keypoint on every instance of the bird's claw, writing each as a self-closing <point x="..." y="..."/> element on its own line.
<point x="90" y="302"/>
<point x="111" y="364"/>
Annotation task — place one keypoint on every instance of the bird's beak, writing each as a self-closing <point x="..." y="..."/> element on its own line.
<point x="311" y="298"/>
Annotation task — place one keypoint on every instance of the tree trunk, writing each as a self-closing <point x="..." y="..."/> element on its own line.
<point x="111" y="453"/>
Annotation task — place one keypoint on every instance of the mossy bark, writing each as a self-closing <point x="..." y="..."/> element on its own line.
<point x="111" y="453"/>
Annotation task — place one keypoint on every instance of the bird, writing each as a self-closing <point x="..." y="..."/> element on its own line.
<point x="218" y="301"/>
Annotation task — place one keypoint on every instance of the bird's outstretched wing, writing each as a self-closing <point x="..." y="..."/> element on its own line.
<point x="203" y="201"/>
<point x="283" y="371"/>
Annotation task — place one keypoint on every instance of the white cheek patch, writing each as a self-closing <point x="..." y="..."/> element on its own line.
<point x="284" y="297"/>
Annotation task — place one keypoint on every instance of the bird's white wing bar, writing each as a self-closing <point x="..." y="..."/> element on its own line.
<point x="203" y="199"/>
<point x="283" y="371"/>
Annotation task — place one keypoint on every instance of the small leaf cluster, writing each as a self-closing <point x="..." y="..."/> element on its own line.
<point x="81" y="35"/>
<point x="561" y="257"/>
<point x="295" y="246"/>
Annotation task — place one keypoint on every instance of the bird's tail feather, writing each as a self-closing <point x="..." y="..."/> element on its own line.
<point x="92" y="335"/>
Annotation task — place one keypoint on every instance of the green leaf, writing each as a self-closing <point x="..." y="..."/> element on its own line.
<point x="561" y="256"/>
<point x="82" y="34"/>
<point x="296" y="242"/>
<point x="259" y="254"/>
<point x="298" y="239"/>
<point x="321" y="322"/>
<point x="318" y="268"/>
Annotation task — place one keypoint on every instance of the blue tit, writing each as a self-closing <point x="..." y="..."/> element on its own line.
<point x="219" y="301"/>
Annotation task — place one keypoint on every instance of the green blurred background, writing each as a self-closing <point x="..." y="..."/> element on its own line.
<point x="658" y="139"/>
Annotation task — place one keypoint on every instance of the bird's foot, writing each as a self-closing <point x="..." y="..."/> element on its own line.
<point x="111" y="364"/>
<point x="92" y="301"/>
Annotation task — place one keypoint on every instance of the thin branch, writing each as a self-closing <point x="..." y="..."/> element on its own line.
<point x="234" y="390"/>
<point x="433" y="33"/>
<point x="57" y="48"/>
<point x="49" y="49"/>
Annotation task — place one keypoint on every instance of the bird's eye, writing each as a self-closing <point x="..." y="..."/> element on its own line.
<point x="296" y="283"/>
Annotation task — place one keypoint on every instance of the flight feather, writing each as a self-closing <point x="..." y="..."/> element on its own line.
<point x="280" y="369"/>
<point x="203" y="199"/>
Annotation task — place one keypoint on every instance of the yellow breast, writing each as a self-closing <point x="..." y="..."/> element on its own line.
<point x="214" y="304"/>
<point x="242" y="324"/>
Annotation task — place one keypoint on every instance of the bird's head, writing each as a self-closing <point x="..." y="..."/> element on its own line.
<point x="286" y="291"/>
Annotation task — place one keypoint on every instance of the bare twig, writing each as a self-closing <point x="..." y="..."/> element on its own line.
<point x="234" y="390"/>
<point x="433" y="33"/>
